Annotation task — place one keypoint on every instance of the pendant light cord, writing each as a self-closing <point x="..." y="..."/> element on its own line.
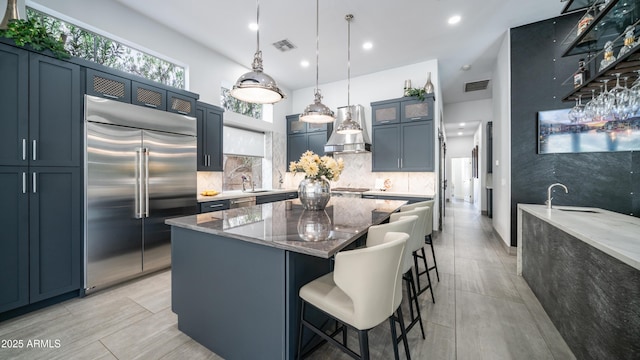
<point x="349" y="18"/>
<point x="317" y="42"/>
<point x="258" y="25"/>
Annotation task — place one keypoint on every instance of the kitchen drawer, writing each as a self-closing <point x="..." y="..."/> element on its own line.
<point x="217" y="205"/>
<point x="291" y="195"/>
<point x="263" y="199"/>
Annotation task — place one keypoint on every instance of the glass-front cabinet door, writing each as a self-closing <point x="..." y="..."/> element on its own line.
<point x="417" y="110"/>
<point x="294" y="125"/>
<point x="385" y="112"/>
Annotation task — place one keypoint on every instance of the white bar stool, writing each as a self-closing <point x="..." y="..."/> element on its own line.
<point x="363" y="290"/>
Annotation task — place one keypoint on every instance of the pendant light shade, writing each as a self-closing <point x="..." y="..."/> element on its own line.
<point x="349" y="126"/>
<point x="317" y="112"/>
<point x="256" y="86"/>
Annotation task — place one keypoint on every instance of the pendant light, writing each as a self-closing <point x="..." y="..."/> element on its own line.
<point x="349" y="126"/>
<point x="256" y="86"/>
<point x="317" y="112"/>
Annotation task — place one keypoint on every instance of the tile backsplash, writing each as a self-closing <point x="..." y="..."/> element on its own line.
<point x="357" y="173"/>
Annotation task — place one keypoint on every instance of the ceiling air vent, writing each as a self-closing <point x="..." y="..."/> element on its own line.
<point x="284" y="45"/>
<point x="476" y="85"/>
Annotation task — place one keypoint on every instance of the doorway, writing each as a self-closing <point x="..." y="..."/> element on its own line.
<point x="461" y="179"/>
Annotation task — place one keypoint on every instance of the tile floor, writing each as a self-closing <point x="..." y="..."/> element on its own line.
<point x="483" y="310"/>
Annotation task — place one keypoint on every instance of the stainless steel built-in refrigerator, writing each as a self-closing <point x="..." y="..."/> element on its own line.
<point x="140" y="170"/>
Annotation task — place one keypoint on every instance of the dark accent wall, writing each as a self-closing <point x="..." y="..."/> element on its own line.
<point x="608" y="180"/>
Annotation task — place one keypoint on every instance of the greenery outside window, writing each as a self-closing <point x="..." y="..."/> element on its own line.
<point x="102" y="50"/>
<point x="238" y="106"/>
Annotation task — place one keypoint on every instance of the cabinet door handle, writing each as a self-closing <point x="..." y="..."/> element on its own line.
<point x="34" y="150"/>
<point x="208" y="160"/>
<point x="110" y="96"/>
<point x="151" y="105"/>
<point x="416" y="118"/>
<point x="34" y="182"/>
<point x="182" y="112"/>
<point x="24" y="149"/>
<point x="398" y="163"/>
<point x="204" y="160"/>
<point x="24" y="182"/>
<point x="216" y="206"/>
<point x="401" y="164"/>
<point x="145" y="152"/>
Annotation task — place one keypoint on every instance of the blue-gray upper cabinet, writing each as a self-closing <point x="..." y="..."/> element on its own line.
<point x="416" y="109"/>
<point x="14" y="242"/>
<point x="295" y="126"/>
<point x="181" y="104"/>
<point x="304" y="136"/>
<point x="14" y="105"/>
<point x="108" y="86"/>
<point x="121" y="88"/>
<point x="209" y="137"/>
<point x="403" y="135"/>
<point x="55" y="112"/>
<point x="149" y="96"/>
<point x="385" y="112"/>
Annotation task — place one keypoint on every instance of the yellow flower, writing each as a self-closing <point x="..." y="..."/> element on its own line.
<point x="316" y="167"/>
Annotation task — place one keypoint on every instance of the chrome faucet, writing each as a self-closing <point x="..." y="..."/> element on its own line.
<point x="280" y="181"/>
<point x="549" y="193"/>
<point x="247" y="179"/>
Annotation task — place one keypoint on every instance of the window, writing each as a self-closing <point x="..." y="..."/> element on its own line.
<point x="108" y="52"/>
<point x="238" y="106"/>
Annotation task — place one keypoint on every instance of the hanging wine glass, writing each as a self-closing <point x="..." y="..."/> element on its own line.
<point x="577" y="113"/>
<point x="621" y="101"/>
<point x="591" y="107"/>
<point x="605" y="101"/>
<point x="635" y="92"/>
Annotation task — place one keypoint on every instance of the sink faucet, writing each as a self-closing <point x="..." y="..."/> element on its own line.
<point x="280" y="181"/>
<point x="247" y="179"/>
<point x="549" y="193"/>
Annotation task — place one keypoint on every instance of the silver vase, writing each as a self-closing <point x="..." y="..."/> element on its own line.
<point x="10" y="14"/>
<point x="314" y="194"/>
<point x="428" y="87"/>
<point x="314" y="226"/>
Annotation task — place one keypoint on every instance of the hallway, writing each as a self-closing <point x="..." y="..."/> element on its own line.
<point x="483" y="310"/>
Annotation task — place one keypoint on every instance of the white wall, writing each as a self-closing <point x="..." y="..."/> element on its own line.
<point x="467" y="111"/>
<point x="502" y="141"/>
<point x="457" y="147"/>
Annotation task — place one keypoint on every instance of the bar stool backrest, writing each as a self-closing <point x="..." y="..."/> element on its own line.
<point x="371" y="278"/>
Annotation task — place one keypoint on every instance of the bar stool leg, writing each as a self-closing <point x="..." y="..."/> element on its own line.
<point x="414" y="296"/>
<point x="364" y="344"/>
<point x="423" y="256"/>
<point x="435" y="263"/>
<point x="299" y="354"/>
<point x="394" y="337"/>
<point x="403" y="333"/>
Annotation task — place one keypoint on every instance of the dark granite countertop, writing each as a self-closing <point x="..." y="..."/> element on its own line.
<point x="316" y="233"/>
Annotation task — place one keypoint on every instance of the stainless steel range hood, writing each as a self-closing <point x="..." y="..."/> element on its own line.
<point x="354" y="143"/>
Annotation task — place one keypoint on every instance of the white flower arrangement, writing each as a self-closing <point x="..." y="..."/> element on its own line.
<point x="316" y="167"/>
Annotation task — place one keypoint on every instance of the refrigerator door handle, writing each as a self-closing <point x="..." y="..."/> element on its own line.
<point x="145" y="153"/>
<point x="138" y="187"/>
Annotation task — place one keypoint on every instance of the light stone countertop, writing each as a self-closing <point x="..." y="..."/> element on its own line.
<point x="235" y="194"/>
<point x="615" y="234"/>
<point x="403" y="194"/>
<point x="316" y="233"/>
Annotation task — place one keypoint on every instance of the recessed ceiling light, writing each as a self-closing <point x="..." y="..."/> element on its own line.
<point x="459" y="133"/>
<point x="304" y="63"/>
<point x="253" y="27"/>
<point x="454" y="19"/>
<point x="368" y="45"/>
<point x="462" y="124"/>
<point x="466" y="67"/>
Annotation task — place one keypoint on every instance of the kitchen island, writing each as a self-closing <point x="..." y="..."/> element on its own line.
<point x="236" y="273"/>
<point x="583" y="265"/>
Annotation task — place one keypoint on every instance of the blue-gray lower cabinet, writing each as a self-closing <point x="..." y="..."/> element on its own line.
<point x="41" y="245"/>
<point x="14" y="241"/>
<point x="55" y="232"/>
